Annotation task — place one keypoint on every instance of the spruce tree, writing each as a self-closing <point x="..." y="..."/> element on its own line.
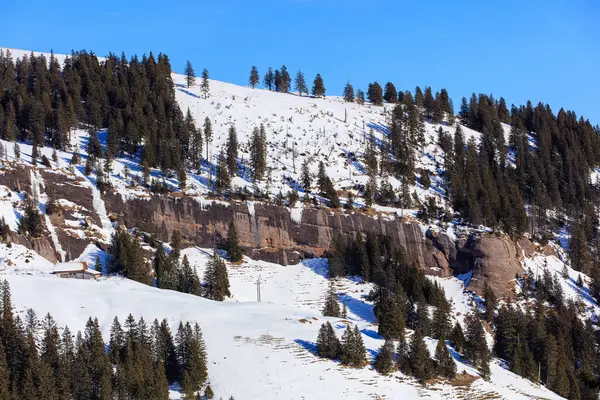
<point x="444" y="363"/>
<point x="190" y="75"/>
<point x="222" y="179"/>
<point x="216" y="280"/>
<point x="305" y="178"/>
<point x="457" y="338"/>
<point x="233" y="247"/>
<point x="328" y="345"/>
<point x="360" y="97"/>
<point x="232" y="151"/>
<point x="254" y="77"/>
<point x="318" y="89"/>
<point x="419" y="359"/>
<point x="300" y="83"/>
<point x="348" y="93"/>
<point x="4" y="377"/>
<point x="269" y="79"/>
<point x="390" y="95"/>
<point x="384" y="361"/>
<point x="375" y="94"/>
<point x="205" y="85"/>
<point x="332" y="306"/>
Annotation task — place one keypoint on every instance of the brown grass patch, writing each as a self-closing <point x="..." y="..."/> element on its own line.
<point x="463" y="379"/>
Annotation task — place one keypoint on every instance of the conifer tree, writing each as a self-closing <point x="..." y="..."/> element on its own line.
<point x="190" y="76"/>
<point x="445" y="365"/>
<point x="332" y="305"/>
<point x="328" y="345"/>
<point x="419" y="359"/>
<point x="216" y="281"/>
<point x="205" y="85"/>
<point x="233" y="247"/>
<point x="391" y="317"/>
<point x="348" y="93"/>
<point x="353" y="348"/>
<point x="207" y="135"/>
<point x="390" y="95"/>
<point x="457" y="338"/>
<point x="222" y="179"/>
<point x="254" y="77"/>
<point x="375" y="94"/>
<point x="305" y="176"/>
<point x="258" y="152"/>
<point x="360" y="97"/>
<point x="269" y="79"/>
<point x="384" y="361"/>
<point x="300" y="83"/>
<point x="476" y="346"/>
<point x="232" y="151"/>
<point x="4" y="377"/>
<point x="318" y="89"/>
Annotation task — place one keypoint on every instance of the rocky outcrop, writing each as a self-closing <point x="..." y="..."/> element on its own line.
<point x="495" y="259"/>
<point x="269" y="232"/>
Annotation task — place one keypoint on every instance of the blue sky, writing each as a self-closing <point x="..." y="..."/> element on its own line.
<point x="522" y="50"/>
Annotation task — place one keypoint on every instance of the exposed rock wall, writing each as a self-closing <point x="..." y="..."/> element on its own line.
<point x="269" y="232"/>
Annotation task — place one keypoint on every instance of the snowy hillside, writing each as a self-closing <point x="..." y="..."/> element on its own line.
<point x="256" y="350"/>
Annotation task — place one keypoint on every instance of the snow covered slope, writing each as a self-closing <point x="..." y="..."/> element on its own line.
<point x="256" y="350"/>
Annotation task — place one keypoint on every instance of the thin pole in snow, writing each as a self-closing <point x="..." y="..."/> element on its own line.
<point x="258" y="282"/>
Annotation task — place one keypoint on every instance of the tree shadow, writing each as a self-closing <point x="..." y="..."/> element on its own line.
<point x="319" y="266"/>
<point x="306" y="345"/>
<point x="371" y="333"/>
<point x="358" y="307"/>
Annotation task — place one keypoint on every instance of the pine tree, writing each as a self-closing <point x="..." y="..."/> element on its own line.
<point x="328" y="345"/>
<point x="300" y="83"/>
<point x="332" y="305"/>
<point x="348" y="93"/>
<point x="441" y="324"/>
<point x="190" y="76"/>
<point x="205" y="85"/>
<point x="222" y="179"/>
<point x="258" y="152"/>
<point x="305" y="178"/>
<point x="4" y="377"/>
<point x="457" y="338"/>
<point x="391" y="317"/>
<point x="353" y="348"/>
<point x="216" y="279"/>
<point x="419" y="359"/>
<point x="232" y="151"/>
<point x="384" y="361"/>
<point x="445" y="365"/>
<point x="254" y="77"/>
<point x="235" y="254"/>
<point x="390" y="95"/>
<point x="375" y="94"/>
<point x="360" y="97"/>
<point x="269" y="79"/>
<point x="318" y="89"/>
<point x="476" y="346"/>
<point x="490" y="302"/>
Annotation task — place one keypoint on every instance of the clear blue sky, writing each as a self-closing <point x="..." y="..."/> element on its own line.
<point x="528" y="49"/>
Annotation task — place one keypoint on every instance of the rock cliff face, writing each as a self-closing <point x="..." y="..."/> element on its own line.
<point x="269" y="232"/>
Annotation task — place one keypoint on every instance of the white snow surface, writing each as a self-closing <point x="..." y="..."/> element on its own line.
<point x="256" y="350"/>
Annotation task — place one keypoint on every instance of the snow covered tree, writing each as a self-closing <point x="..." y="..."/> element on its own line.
<point x="254" y="77"/>
<point x="318" y="89"/>
<point x="190" y="75"/>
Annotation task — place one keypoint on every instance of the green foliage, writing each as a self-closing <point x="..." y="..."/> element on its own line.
<point x="216" y="280"/>
<point x="353" y="348"/>
<point x="384" y="361"/>
<point x="328" y="345"/>
<point x="127" y="258"/>
<point x="233" y="247"/>
<point x="332" y="305"/>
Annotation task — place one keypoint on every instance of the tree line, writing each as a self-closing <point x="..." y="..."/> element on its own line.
<point x="40" y="360"/>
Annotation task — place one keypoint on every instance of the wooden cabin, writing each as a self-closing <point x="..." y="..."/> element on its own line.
<point x="75" y="270"/>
